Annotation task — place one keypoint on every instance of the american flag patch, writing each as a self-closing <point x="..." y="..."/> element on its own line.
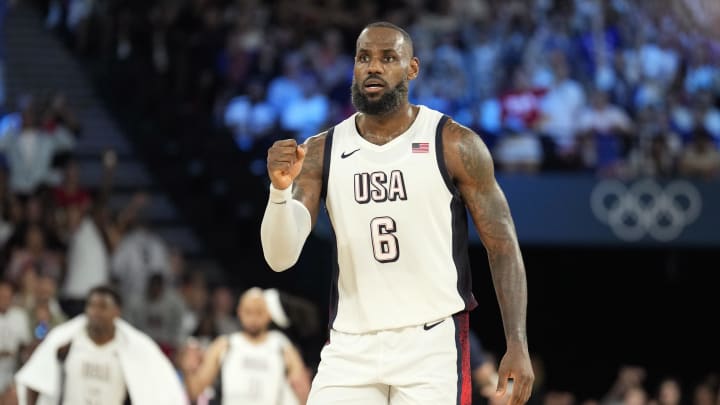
<point x="420" y="147"/>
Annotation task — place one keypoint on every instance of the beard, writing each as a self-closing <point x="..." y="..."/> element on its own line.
<point x="388" y="101"/>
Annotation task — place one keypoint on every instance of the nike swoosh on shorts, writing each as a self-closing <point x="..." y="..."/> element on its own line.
<point x="428" y="327"/>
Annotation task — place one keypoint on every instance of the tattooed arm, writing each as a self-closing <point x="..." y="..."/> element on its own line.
<point x="308" y="184"/>
<point x="470" y="165"/>
<point x="291" y="214"/>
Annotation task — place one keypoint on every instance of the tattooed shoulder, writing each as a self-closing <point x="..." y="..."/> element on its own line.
<point x="466" y="154"/>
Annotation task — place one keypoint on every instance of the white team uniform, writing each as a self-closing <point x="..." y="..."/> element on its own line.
<point x="92" y="373"/>
<point x="402" y="265"/>
<point x="255" y="373"/>
<point x="14" y="333"/>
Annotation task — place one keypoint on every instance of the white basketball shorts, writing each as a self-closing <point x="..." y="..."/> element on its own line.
<point x="417" y="365"/>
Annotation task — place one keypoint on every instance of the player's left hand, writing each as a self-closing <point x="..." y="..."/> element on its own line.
<point x="515" y="365"/>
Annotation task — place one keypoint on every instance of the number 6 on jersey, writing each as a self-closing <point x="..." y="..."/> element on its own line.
<point x="385" y="244"/>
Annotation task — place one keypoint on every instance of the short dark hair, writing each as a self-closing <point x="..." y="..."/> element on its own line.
<point x="106" y="290"/>
<point x="385" y="24"/>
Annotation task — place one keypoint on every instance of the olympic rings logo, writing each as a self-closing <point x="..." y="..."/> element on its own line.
<point x="646" y="208"/>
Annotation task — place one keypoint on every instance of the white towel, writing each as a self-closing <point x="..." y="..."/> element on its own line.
<point x="149" y="375"/>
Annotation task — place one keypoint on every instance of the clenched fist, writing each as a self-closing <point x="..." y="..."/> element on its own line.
<point x="284" y="162"/>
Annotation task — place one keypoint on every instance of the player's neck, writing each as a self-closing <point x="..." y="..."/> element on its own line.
<point x="381" y="129"/>
<point x="102" y="337"/>
<point x="256" y="339"/>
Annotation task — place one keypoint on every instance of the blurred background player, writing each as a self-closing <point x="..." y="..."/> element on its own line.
<point x="256" y="366"/>
<point x="98" y="359"/>
<point x="14" y="334"/>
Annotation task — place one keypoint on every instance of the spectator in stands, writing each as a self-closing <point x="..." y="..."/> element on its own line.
<point x="336" y="66"/>
<point x="15" y="334"/>
<point x="88" y="231"/>
<point x="27" y="286"/>
<point x="35" y="252"/>
<point x="702" y="74"/>
<point x="654" y="158"/>
<point x="207" y="329"/>
<point x="87" y="259"/>
<point x="635" y="396"/>
<point x="659" y="60"/>
<point x="560" y="108"/>
<point x="158" y="313"/>
<point x="484" y="371"/>
<point x="669" y="392"/>
<point x="44" y="314"/>
<point x="222" y="310"/>
<point x="706" y="114"/>
<point x="70" y="192"/>
<point x="521" y="102"/>
<point x="45" y="307"/>
<point x="627" y="385"/>
<point x="250" y="117"/>
<point x="605" y="129"/>
<point x="305" y="115"/>
<point x="680" y="114"/>
<point x="518" y="152"/>
<point x="483" y="54"/>
<point x="59" y="116"/>
<point x="704" y="392"/>
<point x="140" y="253"/>
<point x="194" y="291"/>
<point x="287" y="88"/>
<point x="701" y="157"/>
<point x="188" y="361"/>
<point x="30" y="151"/>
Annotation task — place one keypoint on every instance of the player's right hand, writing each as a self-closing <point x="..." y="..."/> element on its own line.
<point x="284" y="162"/>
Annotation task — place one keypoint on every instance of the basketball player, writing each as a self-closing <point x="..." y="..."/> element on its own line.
<point x="397" y="179"/>
<point x="257" y="366"/>
<point x="97" y="359"/>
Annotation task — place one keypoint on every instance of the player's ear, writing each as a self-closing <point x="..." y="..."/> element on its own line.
<point x="413" y="68"/>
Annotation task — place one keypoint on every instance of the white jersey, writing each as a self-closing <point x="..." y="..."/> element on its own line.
<point x="93" y="375"/>
<point x="400" y="228"/>
<point x="14" y="333"/>
<point x="254" y="373"/>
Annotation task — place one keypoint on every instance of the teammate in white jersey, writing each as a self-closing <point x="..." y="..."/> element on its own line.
<point x="97" y="358"/>
<point x="397" y="180"/>
<point x="256" y="366"/>
<point x="91" y="372"/>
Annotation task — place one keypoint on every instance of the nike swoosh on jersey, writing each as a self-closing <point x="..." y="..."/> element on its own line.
<point x="428" y="327"/>
<point x="346" y="154"/>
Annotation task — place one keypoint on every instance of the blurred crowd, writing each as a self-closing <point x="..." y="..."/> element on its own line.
<point x="603" y="86"/>
<point x="584" y="85"/>
<point x="59" y="238"/>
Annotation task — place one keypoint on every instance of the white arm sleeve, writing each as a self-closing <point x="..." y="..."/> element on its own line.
<point x="285" y="227"/>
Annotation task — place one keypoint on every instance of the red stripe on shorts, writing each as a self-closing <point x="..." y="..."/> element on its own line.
<point x="462" y="329"/>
